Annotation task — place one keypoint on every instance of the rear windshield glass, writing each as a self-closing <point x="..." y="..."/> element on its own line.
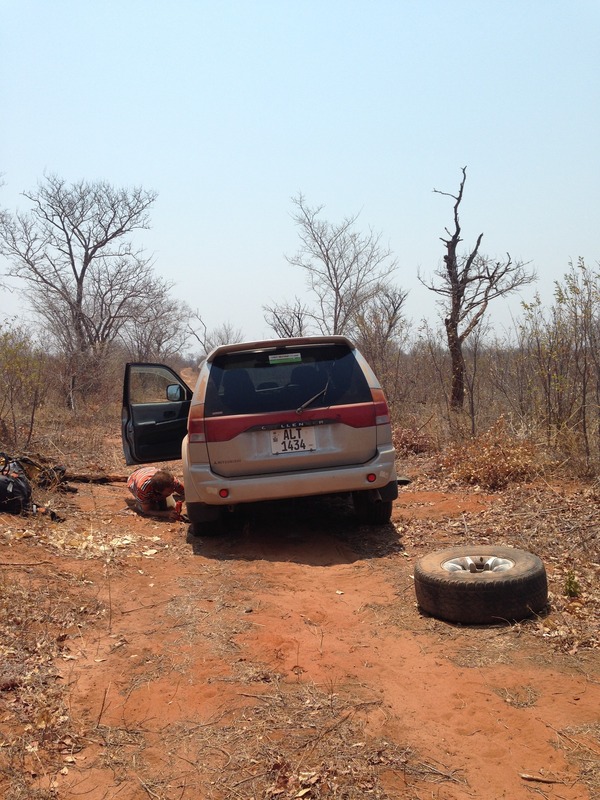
<point x="278" y="380"/>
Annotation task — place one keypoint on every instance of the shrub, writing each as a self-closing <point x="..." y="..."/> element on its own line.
<point x="409" y="441"/>
<point x="22" y="367"/>
<point x="492" y="460"/>
<point x="572" y="585"/>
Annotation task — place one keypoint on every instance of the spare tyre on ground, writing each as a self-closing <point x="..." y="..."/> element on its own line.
<point x="481" y="584"/>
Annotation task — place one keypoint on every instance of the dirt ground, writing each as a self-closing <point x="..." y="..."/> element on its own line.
<point x="289" y="659"/>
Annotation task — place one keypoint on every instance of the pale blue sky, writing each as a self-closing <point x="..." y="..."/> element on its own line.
<point x="228" y="108"/>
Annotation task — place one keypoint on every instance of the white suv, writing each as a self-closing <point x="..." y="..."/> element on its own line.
<point x="267" y="420"/>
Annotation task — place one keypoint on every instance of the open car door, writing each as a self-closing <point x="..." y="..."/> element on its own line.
<point x="156" y="402"/>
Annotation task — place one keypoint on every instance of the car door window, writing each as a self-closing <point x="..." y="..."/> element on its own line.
<point x="149" y="384"/>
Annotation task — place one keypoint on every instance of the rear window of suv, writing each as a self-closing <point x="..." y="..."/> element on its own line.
<point x="262" y="381"/>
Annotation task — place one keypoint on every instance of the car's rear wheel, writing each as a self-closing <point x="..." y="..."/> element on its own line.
<point x="205" y="520"/>
<point x="370" y="510"/>
<point x="221" y="521"/>
<point x="206" y="529"/>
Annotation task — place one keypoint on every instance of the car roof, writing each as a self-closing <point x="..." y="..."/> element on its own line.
<point x="273" y="344"/>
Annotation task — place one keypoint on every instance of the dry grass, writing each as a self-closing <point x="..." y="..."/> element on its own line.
<point x="582" y="746"/>
<point x="88" y="440"/>
<point x="40" y="609"/>
<point x="520" y="697"/>
<point x="292" y="741"/>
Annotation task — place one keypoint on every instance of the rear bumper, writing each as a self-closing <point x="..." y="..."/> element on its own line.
<point x="202" y="486"/>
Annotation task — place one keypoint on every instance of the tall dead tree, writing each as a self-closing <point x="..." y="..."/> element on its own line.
<point x="467" y="284"/>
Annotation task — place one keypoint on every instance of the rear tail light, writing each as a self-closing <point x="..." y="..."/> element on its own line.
<point x="382" y="412"/>
<point x="196" y="432"/>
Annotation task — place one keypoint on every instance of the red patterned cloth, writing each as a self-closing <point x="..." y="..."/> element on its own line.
<point x="140" y="487"/>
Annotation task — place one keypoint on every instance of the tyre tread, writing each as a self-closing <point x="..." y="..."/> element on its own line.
<point x="483" y="597"/>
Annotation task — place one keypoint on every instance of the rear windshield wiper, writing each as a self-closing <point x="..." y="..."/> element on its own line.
<point x="310" y="400"/>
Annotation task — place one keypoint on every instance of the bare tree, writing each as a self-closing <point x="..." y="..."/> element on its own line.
<point x="288" y="321"/>
<point x="381" y="332"/>
<point x="225" y="333"/>
<point x="467" y="284"/>
<point x="344" y="270"/>
<point x="160" y="329"/>
<point x="82" y="274"/>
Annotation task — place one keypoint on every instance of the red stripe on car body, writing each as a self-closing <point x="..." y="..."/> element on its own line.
<point x="223" y="429"/>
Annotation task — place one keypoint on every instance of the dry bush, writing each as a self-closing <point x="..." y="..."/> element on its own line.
<point x="492" y="460"/>
<point x="570" y="448"/>
<point x="411" y="441"/>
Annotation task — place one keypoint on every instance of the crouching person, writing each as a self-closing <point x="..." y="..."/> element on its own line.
<point x="154" y="491"/>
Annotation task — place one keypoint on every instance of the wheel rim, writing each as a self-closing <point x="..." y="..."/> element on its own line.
<point x="475" y="564"/>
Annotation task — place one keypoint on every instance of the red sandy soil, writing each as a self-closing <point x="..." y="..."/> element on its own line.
<point x="198" y="636"/>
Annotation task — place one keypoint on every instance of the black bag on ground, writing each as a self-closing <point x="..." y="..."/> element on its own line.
<point x="15" y="489"/>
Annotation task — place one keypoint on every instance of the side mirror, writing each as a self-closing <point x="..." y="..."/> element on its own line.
<point x="175" y="393"/>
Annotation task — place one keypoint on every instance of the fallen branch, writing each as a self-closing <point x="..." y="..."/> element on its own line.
<point x="87" y="477"/>
<point x="527" y="777"/>
<point x="449" y="776"/>
<point x="141" y="607"/>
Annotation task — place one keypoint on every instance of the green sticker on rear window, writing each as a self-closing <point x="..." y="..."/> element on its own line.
<point x="285" y="358"/>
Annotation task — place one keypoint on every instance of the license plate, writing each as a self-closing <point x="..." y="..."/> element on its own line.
<point x="293" y="440"/>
